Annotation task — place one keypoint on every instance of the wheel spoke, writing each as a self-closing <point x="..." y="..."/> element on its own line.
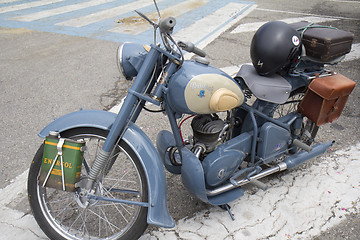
<point x="110" y="195"/>
<point x="104" y="218"/>
<point x="64" y="209"/>
<point x="79" y="215"/>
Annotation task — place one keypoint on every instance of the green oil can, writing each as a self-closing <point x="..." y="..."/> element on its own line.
<point x="61" y="163"/>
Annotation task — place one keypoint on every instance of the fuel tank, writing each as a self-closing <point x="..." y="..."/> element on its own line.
<point x="198" y="88"/>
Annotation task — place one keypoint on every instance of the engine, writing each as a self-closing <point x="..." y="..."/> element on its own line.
<point x="219" y="161"/>
<point x="220" y="154"/>
<point x="207" y="130"/>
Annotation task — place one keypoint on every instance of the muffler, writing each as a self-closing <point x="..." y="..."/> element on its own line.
<point x="303" y="156"/>
<point x="288" y="163"/>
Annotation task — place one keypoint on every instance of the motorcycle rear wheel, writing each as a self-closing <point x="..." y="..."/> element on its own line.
<point x="62" y="215"/>
<point x="309" y="129"/>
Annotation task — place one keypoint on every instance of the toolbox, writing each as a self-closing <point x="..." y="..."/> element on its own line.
<point x="61" y="163"/>
<point x="326" y="98"/>
<point x="324" y="43"/>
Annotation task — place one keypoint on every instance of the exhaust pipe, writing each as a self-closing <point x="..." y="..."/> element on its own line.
<point x="289" y="163"/>
<point x="303" y="156"/>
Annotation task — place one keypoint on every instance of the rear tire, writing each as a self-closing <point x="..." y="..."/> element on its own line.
<point x="309" y="129"/>
<point x="61" y="215"/>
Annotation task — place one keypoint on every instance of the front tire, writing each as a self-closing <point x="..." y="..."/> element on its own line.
<point x="61" y="215"/>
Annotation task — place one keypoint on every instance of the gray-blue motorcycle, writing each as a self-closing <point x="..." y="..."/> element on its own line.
<point x="98" y="176"/>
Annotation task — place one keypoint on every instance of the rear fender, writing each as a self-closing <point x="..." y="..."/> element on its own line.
<point x="158" y="213"/>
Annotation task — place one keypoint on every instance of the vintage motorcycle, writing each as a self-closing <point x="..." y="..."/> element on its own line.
<point x="98" y="176"/>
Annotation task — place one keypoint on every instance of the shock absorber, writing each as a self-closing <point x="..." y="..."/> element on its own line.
<point x="99" y="162"/>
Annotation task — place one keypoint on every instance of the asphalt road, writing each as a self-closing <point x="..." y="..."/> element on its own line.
<point x="45" y="75"/>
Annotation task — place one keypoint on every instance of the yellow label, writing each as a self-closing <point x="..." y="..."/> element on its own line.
<point x="56" y="172"/>
<point x="65" y="146"/>
<point x="58" y="163"/>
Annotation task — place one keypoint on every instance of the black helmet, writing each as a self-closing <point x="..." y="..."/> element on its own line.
<point x="274" y="45"/>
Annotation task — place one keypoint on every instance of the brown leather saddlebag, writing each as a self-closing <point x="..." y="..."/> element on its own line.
<point x="326" y="98"/>
<point x="324" y="43"/>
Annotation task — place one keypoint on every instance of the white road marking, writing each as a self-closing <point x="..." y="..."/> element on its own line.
<point x="232" y="70"/>
<point x="59" y="10"/>
<point x="305" y="14"/>
<point x="210" y="27"/>
<point x="136" y="25"/>
<point x="106" y="14"/>
<point x="9" y="1"/>
<point x="250" y="27"/>
<point x="342" y="1"/>
<point x="116" y="109"/>
<point x="10" y="192"/>
<point x="15" y="225"/>
<point x="27" y="5"/>
<point x="354" y="53"/>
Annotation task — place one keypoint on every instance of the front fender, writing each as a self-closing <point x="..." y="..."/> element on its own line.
<point x="83" y="118"/>
<point x="158" y="213"/>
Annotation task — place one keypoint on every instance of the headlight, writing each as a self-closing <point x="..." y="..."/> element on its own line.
<point x="130" y="57"/>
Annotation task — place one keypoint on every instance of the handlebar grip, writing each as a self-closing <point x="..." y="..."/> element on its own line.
<point x="199" y="52"/>
<point x="190" y="47"/>
<point x="167" y="25"/>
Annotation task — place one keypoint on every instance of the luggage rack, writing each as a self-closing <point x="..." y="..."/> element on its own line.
<point x="312" y="75"/>
<point x="309" y="68"/>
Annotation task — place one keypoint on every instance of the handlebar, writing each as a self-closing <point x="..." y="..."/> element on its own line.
<point x="166" y="27"/>
<point x="190" y="47"/>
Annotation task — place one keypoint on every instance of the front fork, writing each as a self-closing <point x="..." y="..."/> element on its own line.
<point x="127" y="112"/>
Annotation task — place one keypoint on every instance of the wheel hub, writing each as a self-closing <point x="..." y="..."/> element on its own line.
<point x="81" y="196"/>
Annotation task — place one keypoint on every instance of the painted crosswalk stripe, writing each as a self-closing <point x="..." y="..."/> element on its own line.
<point x="9" y="1"/>
<point x="60" y="10"/>
<point x="135" y="25"/>
<point x="208" y="28"/>
<point x="106" y="14"/>
<point x="27" y="5"/>
<point x="305" y="14"/>
<point x="354" y="53"/>
<point x="198" y="21"/>
<point x="250" y="27"/>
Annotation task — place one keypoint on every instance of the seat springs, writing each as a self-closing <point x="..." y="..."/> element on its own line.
<point x="247" y="93"/>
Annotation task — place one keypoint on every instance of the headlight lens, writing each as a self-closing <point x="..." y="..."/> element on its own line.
<point x="129" y="58"/>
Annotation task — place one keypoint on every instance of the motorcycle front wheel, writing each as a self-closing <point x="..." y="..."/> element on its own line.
<point x="63" y="215"/>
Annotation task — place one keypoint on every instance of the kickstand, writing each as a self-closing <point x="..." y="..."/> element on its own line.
<point x="227" y="208"/>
